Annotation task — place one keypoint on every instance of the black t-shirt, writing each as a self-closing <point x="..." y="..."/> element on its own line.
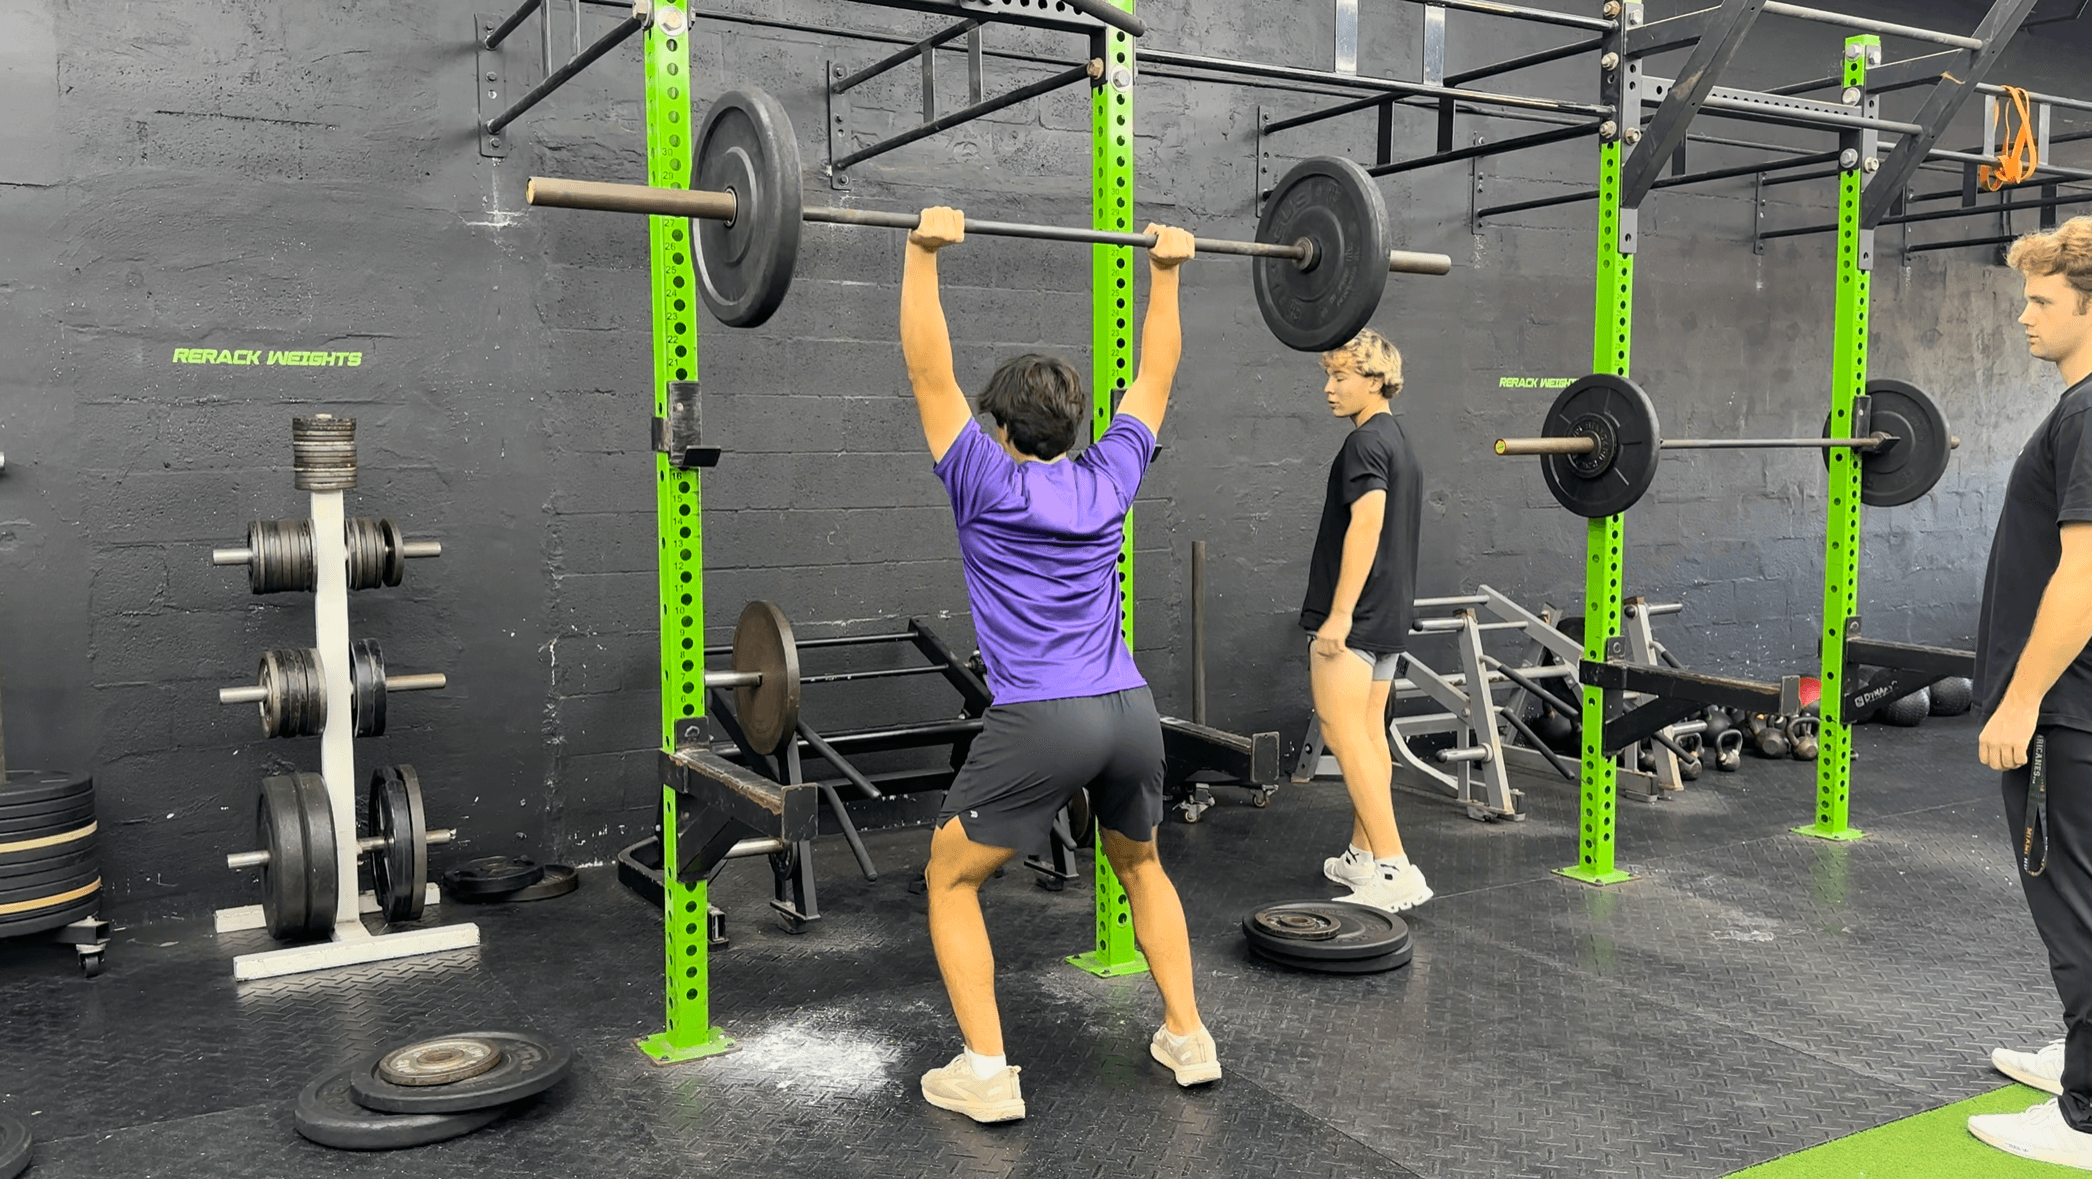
<point x="1375" y="457"/>
<point x="2051" y="485"/>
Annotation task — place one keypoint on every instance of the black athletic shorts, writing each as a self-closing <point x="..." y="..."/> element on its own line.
<point x="1032" y="757"/>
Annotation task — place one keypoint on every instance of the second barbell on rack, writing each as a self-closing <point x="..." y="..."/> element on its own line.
<point x="1321" y="257"/>
<point x="1600" y="444"/>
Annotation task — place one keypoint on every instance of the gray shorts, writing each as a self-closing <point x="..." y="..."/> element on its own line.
<point x="1385" y="667"/>
<point x="1033" y="756"/>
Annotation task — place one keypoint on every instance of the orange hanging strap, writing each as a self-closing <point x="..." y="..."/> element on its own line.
<point x="2019" y="157"/>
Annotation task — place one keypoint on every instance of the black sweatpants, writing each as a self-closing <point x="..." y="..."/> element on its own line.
<point x="2060" y="899"/>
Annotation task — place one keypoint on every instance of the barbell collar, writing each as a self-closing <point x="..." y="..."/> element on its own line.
<point x="423" y="682"/>
<point x="601" y="196"/>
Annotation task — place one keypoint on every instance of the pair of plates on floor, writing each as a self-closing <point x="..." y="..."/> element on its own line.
<point x="1330" y="937"/>
<point x="428" y="1090"/>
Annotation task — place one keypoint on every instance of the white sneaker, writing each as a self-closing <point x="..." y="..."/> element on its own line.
<point x="1392" y="889"/>
<point x="2042" y="1070"/>
<point x="2040" y="1134"/>
<point x="1353" y="869"/>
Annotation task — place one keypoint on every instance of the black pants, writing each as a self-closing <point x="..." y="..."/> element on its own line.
<point x="2060" y="899"/>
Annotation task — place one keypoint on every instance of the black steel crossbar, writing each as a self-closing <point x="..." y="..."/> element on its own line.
<point x="1365" y="82"/>
<point x="1481" y="150"/>
<point x="516" y="18"/>
<point x="1895" y="75"/>
<point x="1945" y="214"/>
<point x="1510" y="65"/>
<point x="565" y="73"/>
<point x="1545" y="16"/>
<point x="1035" y="18"/>
<point x="1937" y="662"/>
<point x="914" y="51"/>
<point x="1781" y="699"/>
<point x="968" y="114"/>
<point x="874" y="673"/>
<point x="1664" y="182"/>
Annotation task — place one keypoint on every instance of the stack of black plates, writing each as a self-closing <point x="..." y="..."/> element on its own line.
<point x="429" y="1089"/>
<point x="1334" y="937"/>
<point x="14" y="1145"/>
<point x="509" y="878"/>
<point x="49" y="873"/>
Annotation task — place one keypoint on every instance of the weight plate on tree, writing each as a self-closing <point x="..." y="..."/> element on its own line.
<point x="399" y="871"/>
<point x="769" y="711"/>
<point x="279" y="829"/>
<point x="395" y="552"/>
<point x="559" y="881"/>
<point x="1620" y="419"/>
<point x="492" y="878"/>
<point x="367" y="688"/>
<point x="1904" y="472"/>
<point x="321" y="882"/>
<point x="1325" y="930"/>
<point x="16" y="851"/>
<point x="441" y="1061"/>
<point x="745" y="147"/>
<point x="1373" y="965"/>
<point x="31" y="825"/>
<point x="27" y="787"/>
<point x="529" y="1065"/>
<point x="327" y="1113"/>
<point x="1333" y="205"/>
<point x="14" y="1145"/>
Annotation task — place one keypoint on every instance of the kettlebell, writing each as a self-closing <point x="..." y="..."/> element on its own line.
<point x="1772" y="737"/>
<point x="1801" y="735"/>
<point x="1718" y="722"/>
<point x="1728" y="751"/>
<point x="1689" y="765"/>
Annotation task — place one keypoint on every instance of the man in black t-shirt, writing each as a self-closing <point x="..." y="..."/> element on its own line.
<point x="2034" y="681"/>
<point x="1360" y="597"/>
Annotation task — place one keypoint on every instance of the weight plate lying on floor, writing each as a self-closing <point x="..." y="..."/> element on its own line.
<point x="1327" y="930"/>
<point x="399" y="871"/>
<point x="492" y="877"/>
<point x="529" y="1065"/>
<point x="1373" y="965"/>
<point x="14" y="1145"/>
<point x="441" y="1061"/>
<point x="559" y="881"/>
<point x="328" y="1114"/>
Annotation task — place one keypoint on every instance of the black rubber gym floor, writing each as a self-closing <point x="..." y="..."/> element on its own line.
<point x="1753" y="993"/>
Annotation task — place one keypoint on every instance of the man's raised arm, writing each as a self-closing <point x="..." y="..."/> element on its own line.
<point x="926" y="343"/>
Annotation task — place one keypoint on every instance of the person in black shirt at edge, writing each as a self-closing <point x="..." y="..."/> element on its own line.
<point x="1361" y="596"/>
<point x="2034" y="682"/>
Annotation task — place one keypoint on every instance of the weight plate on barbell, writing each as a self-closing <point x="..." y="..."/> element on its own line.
<point x="1902" y="473"/>
<point x="279" y="829"/>
<point x="529" y="1065"/>
<point x="1333" y="204"/>
<point x="1325" y="930"/>
<point x="445" y="1060"/>
<point x="399" y="871"/>
<point x="1615" y="413"/>
<point x="769" y="711"/>
<point x="367" y="688"/>
<point x="327" y="1113"/>
<point x="745" y="147"/>
<point x="395" y="551"/>
<point x="322" y="886"/>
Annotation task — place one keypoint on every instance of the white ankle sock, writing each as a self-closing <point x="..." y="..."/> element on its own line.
<point x="1176" y="1041"/>
<point x="985" y="1066"/>
<point x="1361" y="853"/>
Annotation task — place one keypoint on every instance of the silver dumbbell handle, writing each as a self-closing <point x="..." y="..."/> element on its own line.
<point x="369" y="843"/>
<point x="412" y="548"/>
<point x="421" y="682"/>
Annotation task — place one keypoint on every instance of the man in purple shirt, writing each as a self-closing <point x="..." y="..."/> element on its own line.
<point x="1040" y="534"/>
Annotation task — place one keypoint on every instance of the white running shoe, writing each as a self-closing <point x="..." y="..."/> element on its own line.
<point x="2040" y="1134"/>
<point x="1392" y="889"/>
<point x="1353" y="869"/>
<point x="2042" y="1070"/>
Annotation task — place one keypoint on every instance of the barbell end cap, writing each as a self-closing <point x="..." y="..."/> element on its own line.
<point x="1412" y="262"/>
<point x="1096" y="68"/>
<point x="243" y="695"/>
<point x="247" y="859"/>
<point x="415" y="549"/>
<point x="530" y="191"/>
<point x="1953" y="442"/>
<point x="1502" y="447"/>
<point x="232" y="556"/>
<point x="442" y="835"/>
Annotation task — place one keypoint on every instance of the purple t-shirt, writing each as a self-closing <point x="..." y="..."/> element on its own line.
<point x="1041" y="544"/>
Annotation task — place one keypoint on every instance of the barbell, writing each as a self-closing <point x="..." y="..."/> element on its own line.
<point x="1600" y="444"/>
<point x="1322" y="251"/>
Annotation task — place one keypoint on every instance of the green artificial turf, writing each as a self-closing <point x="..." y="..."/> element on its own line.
<point x="1932" y="1145"/>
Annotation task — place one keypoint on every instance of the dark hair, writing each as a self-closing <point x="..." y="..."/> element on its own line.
<point x="1039" y="401"/>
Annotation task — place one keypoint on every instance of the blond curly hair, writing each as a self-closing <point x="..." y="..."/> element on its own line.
<point x="2064" y="250"/>
<point x="1370" y="355"/>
